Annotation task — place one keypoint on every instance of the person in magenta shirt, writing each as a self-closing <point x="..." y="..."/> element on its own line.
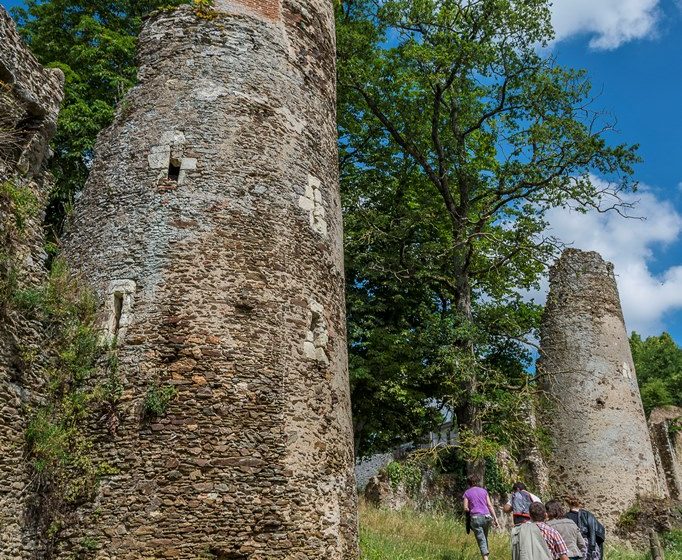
<point x="479" y="506"/>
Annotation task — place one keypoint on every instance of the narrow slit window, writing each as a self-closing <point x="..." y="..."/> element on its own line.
<point x="174" y="170"/>
<point x="118" y="310"/>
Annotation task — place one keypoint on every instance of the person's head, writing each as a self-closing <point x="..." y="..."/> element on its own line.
<point x="537" y="511"/>
<point x="574" y="502"/>
<point x="474" y="480"/>
<point x="518" y="486"/>
<point x="555" y="510"/>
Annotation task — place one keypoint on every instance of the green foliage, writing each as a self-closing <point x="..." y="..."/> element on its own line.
<point x="629" y="519"/>
<point x="658" y="362"/>
<point x="673" y="542"/>
<point x="88" y="543"/>
<point x="66" y="472"/>
<point x="93" y="43"/>
<point x="404" y="473"/>
<point x="204" y="9"/>
<point x="157" y="400"/>
<point x="495" y="480"/>
<point x="22" y="202"/>
<point x="457" y="136"/>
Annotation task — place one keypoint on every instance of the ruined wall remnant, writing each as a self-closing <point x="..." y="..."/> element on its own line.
<point x="29" y="103"/>
<point x="210" y="228"/>
<point x="665" y="427"/>
<point x="601" y="448"/>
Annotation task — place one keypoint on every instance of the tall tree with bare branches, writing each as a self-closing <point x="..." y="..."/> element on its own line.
<point x="452" y="110"/>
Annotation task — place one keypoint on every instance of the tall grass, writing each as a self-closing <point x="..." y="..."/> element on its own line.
<point x="407" y="535"/>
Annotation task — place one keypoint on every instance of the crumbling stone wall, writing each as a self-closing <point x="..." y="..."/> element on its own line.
<point x="210" y="227"/>
<point x="29" y="103"/>
<point x="665" y="426"/>
<point x="601" y="449"/>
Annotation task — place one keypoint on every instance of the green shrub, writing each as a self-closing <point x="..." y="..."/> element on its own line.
<point x="673" y="541"/>
<point x="407" y="473"/>
<point x="23" y="203"/>
<point x="629" y="518"/>
<point x="157" y="400"/>
<point x="204" y="9"/>
<point x="60" y="450"/>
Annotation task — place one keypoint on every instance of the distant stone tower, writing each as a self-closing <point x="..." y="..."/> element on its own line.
<point x="211" y="229"/>
<point x="601" y="446"/>
<point x="667" y="443"/>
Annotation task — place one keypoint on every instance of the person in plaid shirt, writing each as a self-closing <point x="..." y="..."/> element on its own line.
<point x="555" y="542"/>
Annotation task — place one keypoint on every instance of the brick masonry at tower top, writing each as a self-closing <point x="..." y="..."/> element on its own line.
<point x="211" y="229"/>
<point x="268" y="9"/>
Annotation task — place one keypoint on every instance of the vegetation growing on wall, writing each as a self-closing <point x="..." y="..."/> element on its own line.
<point x="60" y="452"/>
<point x="21" y="201"/>
<point x="18" y="204"/>
<point x="407" y="474"/>
<point x="204" y="9"/>
<point x="157" y="400"/>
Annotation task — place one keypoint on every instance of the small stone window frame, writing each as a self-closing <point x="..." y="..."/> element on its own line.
<point x="119" y="308"/>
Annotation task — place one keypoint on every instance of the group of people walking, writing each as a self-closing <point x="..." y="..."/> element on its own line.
<point x="548" y="531"/>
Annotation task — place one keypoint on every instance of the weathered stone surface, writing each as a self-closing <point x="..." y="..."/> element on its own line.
<point x="666" y="437"/>
<point x="29" y="103"/>
<point x="215" y="279"/>
<point x="601" y="447"/>
<point x="30" y="96"/>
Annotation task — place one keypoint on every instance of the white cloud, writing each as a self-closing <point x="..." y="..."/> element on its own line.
<point x="629" y="245"/>
<point x="610" y="23"/>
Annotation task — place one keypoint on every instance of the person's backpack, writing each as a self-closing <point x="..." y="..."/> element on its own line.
<point x="520" y="503"/>
<point x="527" y="543"/>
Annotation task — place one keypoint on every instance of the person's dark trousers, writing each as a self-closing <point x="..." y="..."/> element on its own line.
<point x="480" y="525"/>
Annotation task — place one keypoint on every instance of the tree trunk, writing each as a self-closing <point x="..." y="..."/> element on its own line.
<point x="467" y="414"/>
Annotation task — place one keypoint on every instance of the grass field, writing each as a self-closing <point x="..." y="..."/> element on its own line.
<point x="406" y="535"/>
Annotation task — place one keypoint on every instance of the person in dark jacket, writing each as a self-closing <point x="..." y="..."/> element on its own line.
<point x="592" y="530"/>
<point x="568" y="529"/>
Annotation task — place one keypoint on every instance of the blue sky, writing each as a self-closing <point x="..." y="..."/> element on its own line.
<point x="632" y="50"/>
<point x="10" y="3"/>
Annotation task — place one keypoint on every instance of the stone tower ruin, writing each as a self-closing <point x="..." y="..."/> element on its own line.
<point x="29" y="104"/>
<point x="601" y="450"/>
<point x="211" y="230"/>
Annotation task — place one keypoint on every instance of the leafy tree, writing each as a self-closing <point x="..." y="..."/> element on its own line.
<point x="658" y="362"/>
<point x="457" y="136"/>
<point x="93" y="42"/>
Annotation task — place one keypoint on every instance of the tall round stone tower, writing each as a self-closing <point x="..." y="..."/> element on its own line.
<point x="211" y="229"/>
<point x="601" y="447"/>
